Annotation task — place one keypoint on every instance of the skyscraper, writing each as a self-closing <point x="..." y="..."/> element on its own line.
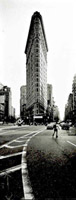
<point x="6" y="101"/>
<point x="49" y="95"/>
<point x="23" y="102"/>
<point x="69" y="108"/>
<point x="36" y="67"/>
<point x="74" y="92"/>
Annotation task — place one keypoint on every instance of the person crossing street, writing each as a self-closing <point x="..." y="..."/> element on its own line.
<point x="55" y="130"/>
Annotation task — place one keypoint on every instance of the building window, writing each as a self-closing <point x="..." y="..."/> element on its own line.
<point x="36" y="50"/>
<point x="37" y="45"/>
<point x="37" y="41"/>
<point x="37" y="70"/>
<point x="36" y="64"/>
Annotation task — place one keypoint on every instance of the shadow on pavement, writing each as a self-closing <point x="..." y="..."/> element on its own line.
<point x="51" y="178"/>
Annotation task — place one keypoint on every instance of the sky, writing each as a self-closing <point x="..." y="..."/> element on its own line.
<point x="59" y="18"/>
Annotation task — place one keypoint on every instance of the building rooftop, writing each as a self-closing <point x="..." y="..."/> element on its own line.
<point x="36" y="14"/>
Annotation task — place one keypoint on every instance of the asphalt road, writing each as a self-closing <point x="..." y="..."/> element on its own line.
<point x="12" y="141"/>
<point x="51" y="165"/>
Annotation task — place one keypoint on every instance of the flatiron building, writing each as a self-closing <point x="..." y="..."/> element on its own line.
<point x="36" y="67"/>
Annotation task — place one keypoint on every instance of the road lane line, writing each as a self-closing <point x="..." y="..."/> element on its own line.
<point x="11" y="155"/>
<point x="19" y="140"/>
<point x="27" y="189"/>
<point x="71" y="143"/>
<point x="13" y="147"/>
<point x="7" y="143"/>
<point x="15" y="168"/>
<point x="25" y="136"/>
<point x="11" y="169"/>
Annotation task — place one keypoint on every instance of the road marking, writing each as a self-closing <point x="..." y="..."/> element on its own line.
<point x="13" y="147"/>
<point x="25" y="136"/>
<point x="28" y="194"/>
<point x="11" y="155"/>
<point x="27" y="187"/>
<point x="71" y="143"/>
<point x="19" y="141"/>
<point x="25" y="144"/>
<point x="11" y="169"/>
<point x="7" y="143"/>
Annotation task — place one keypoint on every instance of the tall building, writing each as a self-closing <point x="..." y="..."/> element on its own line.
<point x="70" y="102"/>
<point x="74" y="92"/>
<point x="1" y="86"/>
<point x="49" y="102"/>
<point x="36" y="67"/>
<point x="56" y="115"/>
<point x="6" y="101"/>
<point x="23" y="102"/>
<point x="1" y="112"/>
<point x="69" y="108"/>
<point x="12" y="112"/>
<point x="49" y="95"/>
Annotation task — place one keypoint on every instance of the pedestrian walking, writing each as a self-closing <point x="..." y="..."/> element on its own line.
<point x="55" y="130"/>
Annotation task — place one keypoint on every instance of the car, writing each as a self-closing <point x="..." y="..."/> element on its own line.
<point x="51" y="125"/>
<point x="65" y="126"/>
<point x="1" y="122"/>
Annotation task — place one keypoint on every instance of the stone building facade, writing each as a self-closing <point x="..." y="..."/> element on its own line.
<point x="36" y="67"/>
<point x="6" y="102"/>
<point x="74" y="92"/>
<point x="70" y="108"/>
<point x="49" y="95"/>
<point x="23" y="102"/>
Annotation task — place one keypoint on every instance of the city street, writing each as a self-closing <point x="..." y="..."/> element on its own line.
<point x="38" y="100"/>
<point x="52" y="165"/>
<point x="35" y="164"/>
<point x="12" y="141"/>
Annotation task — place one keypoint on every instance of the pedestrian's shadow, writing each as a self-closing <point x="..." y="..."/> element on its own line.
<point x="55" y="139"/>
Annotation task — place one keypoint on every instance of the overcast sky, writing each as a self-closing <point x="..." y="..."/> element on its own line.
<point x="59" y="19"/>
